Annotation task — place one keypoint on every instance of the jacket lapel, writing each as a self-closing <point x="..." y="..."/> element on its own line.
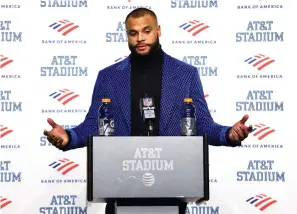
<point x="170" y="91"/>
<point x="122" y="91"/>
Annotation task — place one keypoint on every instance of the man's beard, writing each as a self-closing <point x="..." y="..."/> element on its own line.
<point x="152" y="48"/>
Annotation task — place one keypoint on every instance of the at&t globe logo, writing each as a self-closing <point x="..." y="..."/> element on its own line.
<point x="148" y="179"/>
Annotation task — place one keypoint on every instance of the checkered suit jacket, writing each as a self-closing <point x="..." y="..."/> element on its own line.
<point x="179" y="80"/>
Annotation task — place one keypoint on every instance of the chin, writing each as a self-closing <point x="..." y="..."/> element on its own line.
<point x="143" y="53"/>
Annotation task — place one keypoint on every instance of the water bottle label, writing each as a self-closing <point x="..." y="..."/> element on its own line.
<point x="106" y="127"/>
<point x="188" y="126"/>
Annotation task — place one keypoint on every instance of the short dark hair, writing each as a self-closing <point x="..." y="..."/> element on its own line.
<point x="140" y="12"/>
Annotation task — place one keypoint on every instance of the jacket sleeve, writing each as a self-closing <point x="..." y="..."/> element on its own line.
<point x="217" y="134"/>
<point x="78" y="135"/>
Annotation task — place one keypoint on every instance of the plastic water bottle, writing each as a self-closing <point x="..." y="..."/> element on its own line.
<point x="188" y="118"/>
<point x="106" y="118"/>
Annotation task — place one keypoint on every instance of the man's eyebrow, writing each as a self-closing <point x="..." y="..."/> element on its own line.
<point x="146" y="27"/>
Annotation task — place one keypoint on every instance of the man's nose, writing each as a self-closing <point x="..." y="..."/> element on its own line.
<point x="140" y="37"/>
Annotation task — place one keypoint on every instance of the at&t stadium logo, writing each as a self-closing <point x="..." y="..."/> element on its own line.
<point x="147" y="160"/>
<point x="203" y="208"/>
<point x="194" y="3"/>
<point x="119" y="35"/>
<point x="64" y="3"/>
<point x="6" y="68"/>
<point x="64" y="97"/>
<point x="201" y="63"/>
<point x="260" y="171"/>
<point x="7" y="175"/>
<point x="260" y="4"/>
<point x="5" y="139"/>
<point x="260" y="100"/>
<point x="7" y="104"/>
<point x="64" y="171"/>
<point x="194" y="31"/>
<point x="260" y="66"/>
<point x="6" y="33"/>
<point x="64" y="66"/>
<point x="260" y="31"/>
<point x="65" y="30"/>
<point x="60" y="204"/>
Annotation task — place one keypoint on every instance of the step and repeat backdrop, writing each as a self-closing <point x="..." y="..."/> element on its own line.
<point x="52" y="50"/>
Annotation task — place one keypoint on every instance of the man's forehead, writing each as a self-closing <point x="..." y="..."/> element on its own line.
<point x="141" y="22"/>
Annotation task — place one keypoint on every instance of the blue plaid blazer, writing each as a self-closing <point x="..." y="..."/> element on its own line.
<point x="179" y="80"/>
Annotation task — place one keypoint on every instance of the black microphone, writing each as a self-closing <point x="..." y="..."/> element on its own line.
<point x="147" y="112"/>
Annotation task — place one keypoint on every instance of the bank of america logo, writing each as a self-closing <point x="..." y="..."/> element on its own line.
<point x="261" y="201"/>
<point x="194" y="27"/>
<point x="261" y="131"/>
<point x="64" y="96"/>
<point x="121" y="58"/>
<point x="259" y="61"/>
<point x="4" y="202"/>
<point x="4" y="131"/>
<point x="4" y="61"/>
<point x="64" y="26"/>
<point x="63" y="165"/>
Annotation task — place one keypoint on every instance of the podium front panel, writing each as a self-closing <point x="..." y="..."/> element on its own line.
<point x="148" y="167"/>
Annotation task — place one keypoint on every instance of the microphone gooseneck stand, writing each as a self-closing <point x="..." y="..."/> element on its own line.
<point x="150" y="128"/>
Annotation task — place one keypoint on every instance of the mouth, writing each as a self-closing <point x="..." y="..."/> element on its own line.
<point x="141" y="47"/>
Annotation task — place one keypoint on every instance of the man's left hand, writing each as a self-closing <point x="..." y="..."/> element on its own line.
<point x="239" y="130"/>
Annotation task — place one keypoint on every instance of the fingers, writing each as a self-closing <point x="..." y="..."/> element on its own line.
<point x="250" y="128"/>
<point x="244" y="119"/>
<point x="52" y="123"/>
<point x="233" y="136"/>
<point x="239" y="133"/>
<point x="59" y="143"/>
<point x="55" y="140"/>
<point x="52" y="136"/>
<point x="245" y="131"/>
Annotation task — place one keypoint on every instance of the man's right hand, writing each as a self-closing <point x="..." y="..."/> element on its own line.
<point x="57" y="136"/>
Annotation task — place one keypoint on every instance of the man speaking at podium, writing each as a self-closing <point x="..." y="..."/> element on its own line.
<point x="148" y="70"/>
